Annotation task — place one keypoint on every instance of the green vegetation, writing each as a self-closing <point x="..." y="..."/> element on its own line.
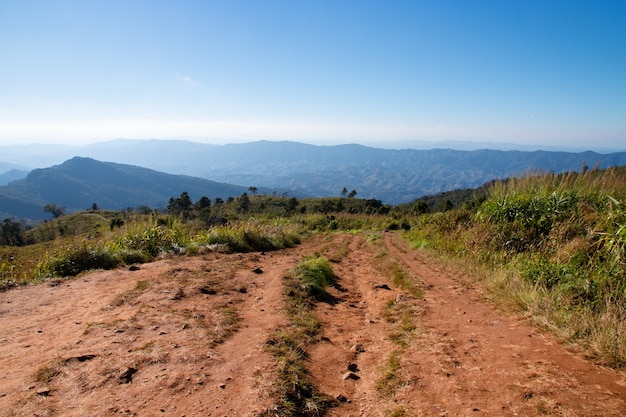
<point x="552" y="245"/>
<point x="295" y="395"/>
<point x="105" y="239"/>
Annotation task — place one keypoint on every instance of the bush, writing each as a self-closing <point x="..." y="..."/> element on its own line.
<point x="315" y="274"/>
<point x="152" y="241"/>
<point x="76" y="260"/>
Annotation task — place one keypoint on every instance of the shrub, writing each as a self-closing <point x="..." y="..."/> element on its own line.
<point x="76" y="260"/>
<point x="315" y="274"/>
<point x="152" y="241"/>
<point x="562" y="238"/>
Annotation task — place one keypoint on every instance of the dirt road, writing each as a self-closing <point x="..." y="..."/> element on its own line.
<point x="187" y="337"/>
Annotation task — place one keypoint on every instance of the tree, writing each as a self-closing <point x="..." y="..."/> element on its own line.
<point x="421" y="207"/>
<point x="55" y="210"/>
<point x="94" y="207"/>
<point x="352" y="194"/>
<point x="181" y="205"/>
<point x="11" y="233"/>
<point x="292" y="204"/>
<point x="203" y="208"/>
<point x="144" y="209"/>
<point x="446" y="205"/>
<point x="344" y="192"/>
<point x="253" y="190"/>
<point x="203" y="203"/>
<point x="244" y="203"/>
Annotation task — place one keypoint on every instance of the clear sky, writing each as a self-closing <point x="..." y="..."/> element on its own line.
<point x="548" y="72"/>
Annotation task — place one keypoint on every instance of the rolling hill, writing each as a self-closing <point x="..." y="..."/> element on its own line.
<point x="80" y="182"/>
<point x="392" y="175"/>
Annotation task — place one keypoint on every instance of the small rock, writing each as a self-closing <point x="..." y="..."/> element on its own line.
<point x="357" y="348"/>
<point x="341" y="398"/>
<point x="126" y="375"/>
<point x="353" y="367"/>
<point x="382" y="287"/>
<point x="133" y="268"/>
<point x="222" y="385"/>
<point x="351" y="375"/>
<point x="257" y="270"/>
<point x="44" y="392"/>
<point x="207" y="290"/>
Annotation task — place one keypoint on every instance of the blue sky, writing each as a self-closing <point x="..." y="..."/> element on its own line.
<point x="539" y="73"/>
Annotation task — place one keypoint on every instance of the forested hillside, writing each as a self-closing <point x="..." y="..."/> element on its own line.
<point x="81" y="183"/>
<point x="391" y="175"/>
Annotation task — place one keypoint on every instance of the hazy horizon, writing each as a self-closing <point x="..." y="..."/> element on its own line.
<point x="537" y="75"/>
<point x="398" y="145"/>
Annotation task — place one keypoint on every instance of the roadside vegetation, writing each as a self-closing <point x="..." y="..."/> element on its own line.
<point x="103" y="239"/>
<point x="550" y="245"/>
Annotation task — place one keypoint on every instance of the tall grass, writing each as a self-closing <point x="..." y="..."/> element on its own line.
<point x="143" y="241"/>
<point x="560" y="239"/>
<point x="246" y="236"/>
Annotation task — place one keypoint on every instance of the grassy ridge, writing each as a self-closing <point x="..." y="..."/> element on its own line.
<point x="554" y="246"/>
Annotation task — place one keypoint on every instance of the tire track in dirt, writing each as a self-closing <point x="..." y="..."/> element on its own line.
<point x="347" y="363"/>
<point x="191" y="342"/>
<point x="469" y="359"/>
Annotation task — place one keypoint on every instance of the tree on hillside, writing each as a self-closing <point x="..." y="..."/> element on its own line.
<point x="352" y="194"/>
<point x="292" y="205"/>
<point x="11" y="233"/>
<point x="421" y="207"/>
<point x="253" y="190"/>
<point x="446" y="205"/>
<point x="181" y="205"/>
<point x="244" y="203"/>
<point x="344" y="192"/>
<point x="55" y="210"/>
<point x="203" y="208"/>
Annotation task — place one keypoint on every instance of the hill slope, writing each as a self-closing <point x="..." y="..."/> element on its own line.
<point x="80" y="182"/>
<point x="391" y="175"/>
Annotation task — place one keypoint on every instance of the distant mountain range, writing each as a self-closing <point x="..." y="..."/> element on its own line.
<point x="80" y="182"/>
<point x="391" y="175"/>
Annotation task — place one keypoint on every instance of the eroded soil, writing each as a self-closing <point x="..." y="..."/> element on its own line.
<point x="186" y="336"/>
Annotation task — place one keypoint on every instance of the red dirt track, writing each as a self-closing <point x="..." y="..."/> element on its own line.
<point x="186" y="336"/>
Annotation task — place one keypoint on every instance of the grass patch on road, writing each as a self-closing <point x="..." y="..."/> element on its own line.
<point x="295" y="395"/>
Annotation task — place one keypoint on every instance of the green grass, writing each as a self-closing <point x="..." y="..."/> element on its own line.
<point x="295" y="395"/>
<point x="551" y="245"/>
